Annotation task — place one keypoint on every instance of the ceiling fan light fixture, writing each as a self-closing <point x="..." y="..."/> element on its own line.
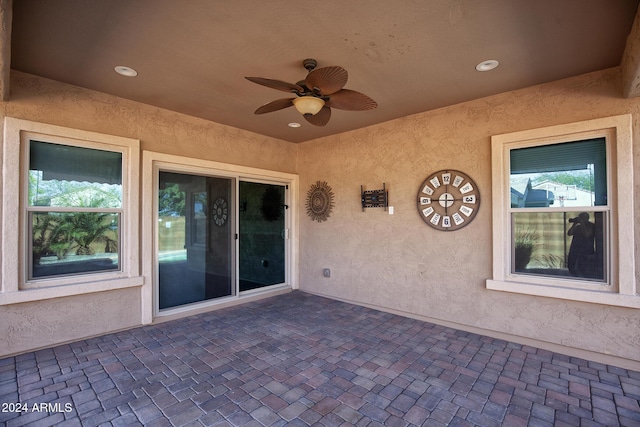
<point x="308" y="105"/>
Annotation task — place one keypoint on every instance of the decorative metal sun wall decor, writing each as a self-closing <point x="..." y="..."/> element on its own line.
<point x="319" y="201"/>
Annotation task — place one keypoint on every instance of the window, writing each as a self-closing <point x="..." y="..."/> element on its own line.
<point x="74" y="209"/>
<point x="554" y="231"/>
<point x="562" y="197"/>
<point x="73" y="218"/>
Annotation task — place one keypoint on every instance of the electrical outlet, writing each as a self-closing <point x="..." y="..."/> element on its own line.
<point x="326" y="272"/>
<point x="390" y="210"/>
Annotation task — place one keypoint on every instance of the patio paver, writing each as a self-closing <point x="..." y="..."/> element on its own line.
<point x="299" y="359"/>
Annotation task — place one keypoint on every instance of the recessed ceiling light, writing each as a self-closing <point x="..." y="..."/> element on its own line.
<point x="126" y="71"/>
<point x="294" y="125"/>
<point x="487" y="65"/>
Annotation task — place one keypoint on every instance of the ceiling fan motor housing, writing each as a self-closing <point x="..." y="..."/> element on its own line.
<point x="310" y="64"/>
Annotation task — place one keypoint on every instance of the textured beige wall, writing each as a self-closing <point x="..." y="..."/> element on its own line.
<point x="47" y="323"/>
<point x="158" y="130"/>
<point x="33" y="325"/>
<point x="399" y="263"/>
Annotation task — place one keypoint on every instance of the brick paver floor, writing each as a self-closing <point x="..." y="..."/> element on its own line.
<point x="301" y="360"/>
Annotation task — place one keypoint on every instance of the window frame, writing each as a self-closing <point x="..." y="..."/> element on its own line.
<point x="32" y="281"/>
<point x="15" y="261"/>
<point x="573" y="282"/>
<point x="31" y="210"/>
<point x="621" y="288"/>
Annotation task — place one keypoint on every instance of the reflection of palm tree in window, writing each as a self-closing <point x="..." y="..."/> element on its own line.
<point x="60" y="234"/>
<point x="87" y="228"/>
<point x="50" y="237"/>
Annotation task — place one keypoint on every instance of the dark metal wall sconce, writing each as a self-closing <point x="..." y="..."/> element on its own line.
<point x="374" y="198"/>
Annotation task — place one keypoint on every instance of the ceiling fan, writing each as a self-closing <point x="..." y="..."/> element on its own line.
<point x="320" y="91"/>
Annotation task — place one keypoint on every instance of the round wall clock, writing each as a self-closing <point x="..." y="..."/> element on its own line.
<point x="448" y="200"/>
<point x="220" y="211"/>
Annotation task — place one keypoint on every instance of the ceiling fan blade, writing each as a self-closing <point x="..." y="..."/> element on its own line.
<point x="276" y="105"/>
<point x="321" y="118"/>
<point x="276" y="84"/>
<point x="346" y="99"/>
<point x="327" y="79"/>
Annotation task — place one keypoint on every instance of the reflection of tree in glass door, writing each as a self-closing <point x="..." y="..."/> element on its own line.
<point x="194" y="243"/>
<point x="262" y="235"/>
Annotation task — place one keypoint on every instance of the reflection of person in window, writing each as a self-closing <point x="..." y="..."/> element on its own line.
<point x="581" y="253"/>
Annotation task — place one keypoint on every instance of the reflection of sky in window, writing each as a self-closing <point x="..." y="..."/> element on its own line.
<point x="536" y="178"/>
<point x="198" y="208"/>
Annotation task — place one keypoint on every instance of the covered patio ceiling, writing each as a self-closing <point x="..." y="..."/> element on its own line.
<point x="410" y="57"/>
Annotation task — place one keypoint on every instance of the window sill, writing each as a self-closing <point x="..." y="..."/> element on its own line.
<point x="583" y="295"/>
<point x="39" y="294"/>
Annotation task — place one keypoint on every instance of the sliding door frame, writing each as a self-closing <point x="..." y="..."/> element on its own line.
<point x="287" y="221"/>
<point x="152" y="164"/>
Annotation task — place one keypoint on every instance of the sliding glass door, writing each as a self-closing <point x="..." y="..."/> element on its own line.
<point x="195" y="239"/>
<point x="262" y="225"/>
<point x="217" y="237"/>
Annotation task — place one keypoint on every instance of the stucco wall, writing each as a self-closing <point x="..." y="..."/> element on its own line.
<point x="47" y="101"/>
<point x="32" y="325"/>
<point x="394" y="262"/>
<point x="39" y="324"/>
<point x="397" y="262"/>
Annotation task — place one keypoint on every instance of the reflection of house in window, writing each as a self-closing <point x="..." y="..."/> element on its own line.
<point x="566" y="194"/>
<point x="524" y="195"/>
<point x="542" y="213"/>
